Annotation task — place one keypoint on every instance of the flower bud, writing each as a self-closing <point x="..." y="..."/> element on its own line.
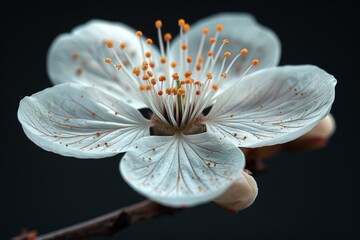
<point x="240" y="195"/>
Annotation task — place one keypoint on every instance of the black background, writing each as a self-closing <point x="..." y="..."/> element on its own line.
<point x="309" y="195"/>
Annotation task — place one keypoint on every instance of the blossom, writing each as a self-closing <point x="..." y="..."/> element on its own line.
<point x="213" y="89"/>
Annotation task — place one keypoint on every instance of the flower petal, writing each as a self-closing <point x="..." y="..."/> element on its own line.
<point x="182" y="170"/>
<point x="243" y="32"/>
<point x="79" y="57"/>
<point x="80" y="121"/>
<point x="273" y="106"/>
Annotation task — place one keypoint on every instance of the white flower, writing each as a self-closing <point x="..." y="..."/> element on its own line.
<point x="105" y="73"/>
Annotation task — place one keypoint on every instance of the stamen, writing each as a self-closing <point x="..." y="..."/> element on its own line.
<point x="244" y="51"/>
<point x="187" y="74"/>
<point x="175" y="76"/>
<point x="189" y="59"/>
<point x="139" y="33"/>
<point x="173" y="64"/>
<point x="255" y="62"/>
<point x="186" y="27"/>
<point x="167" y="37"/>
<point x="149" y="41"/>
<point x="118" y="66"/>
<point x="148" y="54"/>
<point x="109" y="44"/>
<point x="153" y="81"/>
<point x="183" y="46"/>
<point x="219" y="28"/>
<point x="152" y="64"/>
<point x="162" y="78"/>
<point x="108" y="60"/>
<point x="163" y="60"/>
<point x="146" y="77"/>
<point x="122" y="45"/>
<point x="136" y="71"/>
<point x="145" y="66"/>
<point x="158" y="25"/>
<point x="215" y="87"/>
<point x="181" y="22"/>
<point x="150" y="73"/>
<point x="205" y="31"/>
<point x="227" y="54"/>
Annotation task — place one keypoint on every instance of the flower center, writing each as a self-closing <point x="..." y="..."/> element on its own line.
<point x="178" y="90"/>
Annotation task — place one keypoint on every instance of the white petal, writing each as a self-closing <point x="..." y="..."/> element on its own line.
<point x="273" y="106"/>
<point x="79" y="57"/>
<point x="80" y="121"/>
<point x="243" y="32"/>
<point x="182" y="170"/>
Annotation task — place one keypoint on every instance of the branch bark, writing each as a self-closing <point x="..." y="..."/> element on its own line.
<point x="108" y="224"/>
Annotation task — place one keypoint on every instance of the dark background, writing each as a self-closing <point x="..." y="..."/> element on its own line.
<point x="309" y="195"/>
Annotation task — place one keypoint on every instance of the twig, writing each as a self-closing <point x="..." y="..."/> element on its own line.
<point x="109" y="224"/>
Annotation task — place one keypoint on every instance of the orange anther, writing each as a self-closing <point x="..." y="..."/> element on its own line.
<point x="108" y="60"/>
<point x="139" y="33"/>
<point x="173" y="64"/>
<point x="163" y="60"/>
<point x="186" y="27"/>
<point x="212" y="40"/>
<point x="118" y="66"/>
<point x="209" y="76"/>
<point x="167" y="37"/>
<point x="148" y="87"/>
<point x="198" y="67"/>
<point x="187" y="74"/>
<point x="215" y="87"/>
<point x="158" y="24"/>
<point x="255" y="61"/>
<point x="244" y="51"/>
<point x="224" y="75"/>
<point x="142" y="87"/>
<point x="197" y="92"/>
<point x="181" y="22"/>
<point x="168" y="91"/>
<point x="219" y="27"/>
<point x="183" y="46"/>
<point x="145" y="66"/>
<point x="189" y="59"/>
<point x="200" y="59"/>
<point x="153" y="81"/>
<point x="175" y="76"/>
<point x="160" y="92"/>
<point x="152" y="64"/>
<point x="122" y="45"/>
<point x="148" y="54"/>
<point x="162" y="78"/>
<point x="146" y="77"/>
<point x="181" y="91"/>
<point x="149" y="41"/>
<point x="227" y="54"/>
<point x="210" y="53"/>
<point x="226" y="41"/>
<point x="150" y="73"/>
<point x="136" y="71"/>
<point x="205" y="31"/>
<point x="109" y="44"/>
